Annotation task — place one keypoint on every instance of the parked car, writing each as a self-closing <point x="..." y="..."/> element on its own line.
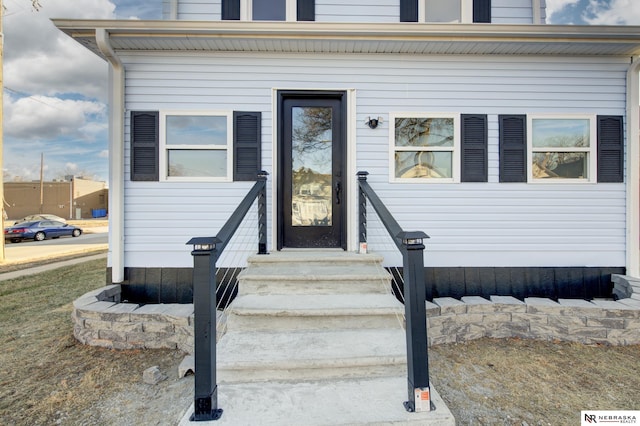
<point x="35" y="217"/>
<point x="40" y="230"/>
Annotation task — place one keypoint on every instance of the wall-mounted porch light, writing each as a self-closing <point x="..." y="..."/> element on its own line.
<point x="373" y="122"/>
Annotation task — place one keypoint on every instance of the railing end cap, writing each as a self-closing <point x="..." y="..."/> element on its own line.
<point x="203" y="241"/>
<point x="411" y="236"/>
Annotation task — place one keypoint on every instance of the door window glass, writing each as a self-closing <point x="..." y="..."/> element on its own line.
<point x="311" y="185"/>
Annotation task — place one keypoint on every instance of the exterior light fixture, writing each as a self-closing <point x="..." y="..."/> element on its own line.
<point x="203" y="244"/>
<point x="373" y="122"/>
<point x="412" y="238"/>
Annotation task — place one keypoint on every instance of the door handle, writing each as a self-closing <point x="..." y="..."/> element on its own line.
<point x="338" y="190"/>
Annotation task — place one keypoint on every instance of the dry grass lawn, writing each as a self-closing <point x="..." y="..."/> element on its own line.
<point x="46" y="377"/>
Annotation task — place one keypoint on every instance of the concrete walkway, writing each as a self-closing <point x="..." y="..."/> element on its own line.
<point x="49" y="266"/>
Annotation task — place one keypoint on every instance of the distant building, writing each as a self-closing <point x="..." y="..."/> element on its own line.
<point x="72" y="198"/>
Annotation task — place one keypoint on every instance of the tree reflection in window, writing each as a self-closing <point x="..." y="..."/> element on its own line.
<point x="311" y="186"/>
<point x="560" y="148"/>
<point x="424" y="147"/>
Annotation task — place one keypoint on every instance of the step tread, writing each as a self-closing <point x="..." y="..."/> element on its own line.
<point x="314" y="272"/>
<point x="315" y="256"/>
<point x="316" y="305"/>
<point x="297" y="349"/>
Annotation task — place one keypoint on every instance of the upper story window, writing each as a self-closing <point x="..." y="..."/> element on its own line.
<point x="268" y="10"/>
<point x="195" y="146"/>
<point x="425" y="147"/>
<point x="464" y="11"/>
<point x="562" y="148"/>
<point x="443" y="10"/>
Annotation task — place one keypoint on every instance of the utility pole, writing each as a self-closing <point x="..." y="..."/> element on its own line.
<point x="1" y="125"/>
<point x="42" y="182"/>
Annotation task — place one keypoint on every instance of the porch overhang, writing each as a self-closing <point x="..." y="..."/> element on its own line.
<point x="357" y="38"/>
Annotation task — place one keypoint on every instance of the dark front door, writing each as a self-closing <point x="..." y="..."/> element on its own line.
<point x="312" y="188"/>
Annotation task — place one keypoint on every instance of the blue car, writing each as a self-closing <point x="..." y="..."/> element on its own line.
<point x="40" y="230"/>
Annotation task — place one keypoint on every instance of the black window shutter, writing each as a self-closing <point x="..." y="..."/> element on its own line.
<point x="408" y="10"/>
<point x="306" y="10"/>
<point x="473" y="135"/>
<point x="513" y="148"/>
<point x="247" y="131"/>
<point x="610" y="149"/>
<point x="144" y="145"/>
<point x="482" y="11"/>
<point x="231" y="10"/>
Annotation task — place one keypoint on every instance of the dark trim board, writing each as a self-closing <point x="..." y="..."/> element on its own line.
<point x="174" y="285"/>
<point x="550" y="282"/>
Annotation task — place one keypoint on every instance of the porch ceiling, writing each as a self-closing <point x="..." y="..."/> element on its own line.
<point x="317" y="37"/>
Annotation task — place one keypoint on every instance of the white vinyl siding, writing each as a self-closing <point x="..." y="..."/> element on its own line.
<point x="195" y="10"/>
<point x="502" y="11"/>
<point x="470" y="224"/>
<point x="358" y="11"/>
<point x="511" y="11"/>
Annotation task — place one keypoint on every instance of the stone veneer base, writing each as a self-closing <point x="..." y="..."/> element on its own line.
<point x="100" y="319"/>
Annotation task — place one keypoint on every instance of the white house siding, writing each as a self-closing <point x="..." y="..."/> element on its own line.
<point x="502" y="11"/>
<point x="358" y="11"/>
<point x="470" y="224"/>
<point x="511" y="12"/>
<point x="194" y="10"/>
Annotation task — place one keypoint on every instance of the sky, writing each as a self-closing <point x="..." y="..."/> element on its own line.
<point x="55" y="91"/>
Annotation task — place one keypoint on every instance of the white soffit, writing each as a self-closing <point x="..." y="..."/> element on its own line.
<point x="316" y="37"/>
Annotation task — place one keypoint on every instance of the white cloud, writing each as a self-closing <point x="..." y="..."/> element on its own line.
<point x="554" y="6"/>
<point x="616" y="12"/>
<point x="41" y="59"/>
<point x="41" y="117"/>
<point x="104" y="154"/>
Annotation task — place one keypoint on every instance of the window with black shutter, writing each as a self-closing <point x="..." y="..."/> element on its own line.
<point x="610" y="149"/>
<point x="513" y="148"/>
<point x="144" y="146"/>
<point x="246" y="145"/>
<point x="409" y="10"/>
<point x="306" y="10"/>
<point x="473" y="137"/>
<point x="231" y="10"/>
<point x="482" y="11"/>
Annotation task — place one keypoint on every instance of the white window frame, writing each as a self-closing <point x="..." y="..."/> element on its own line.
<point x="455" y="166"/>
<point x="466" y="11"/>
<point x="246" y="10"/>
<point x="164" y="148"/>
<point x="591" y="150"/>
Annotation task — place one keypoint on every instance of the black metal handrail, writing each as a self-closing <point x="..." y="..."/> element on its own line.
<point x="206" y="252"/>
<point x="410" y="244"/>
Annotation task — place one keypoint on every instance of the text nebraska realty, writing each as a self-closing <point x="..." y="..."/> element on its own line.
<point x="610" y="418"/>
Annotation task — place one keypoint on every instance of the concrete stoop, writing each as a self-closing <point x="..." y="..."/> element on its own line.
<point x="316" y="338"/>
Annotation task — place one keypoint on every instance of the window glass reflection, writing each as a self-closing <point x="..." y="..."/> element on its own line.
<point x="197" y="163"/>
<point x="311" y="186"/>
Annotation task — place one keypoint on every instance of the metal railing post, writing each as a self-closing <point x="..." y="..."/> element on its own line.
<point x="419" y="398"/>
<point x="362" y="212"/>
<point x="204" y="304"/>
<point x="262" y="213"/>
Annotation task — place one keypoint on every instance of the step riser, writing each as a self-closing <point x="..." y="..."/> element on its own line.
<point x="325" y="322"/>
<point x="280" y="375"/>
<point x="301" y="286"/>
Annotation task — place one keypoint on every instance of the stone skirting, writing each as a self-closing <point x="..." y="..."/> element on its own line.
<point x="101" y="320"/>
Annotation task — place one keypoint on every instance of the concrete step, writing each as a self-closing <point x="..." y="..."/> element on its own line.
<point x="311" y="355"/>
<point x="314" y="312"/>
<point x="314" y="273"/>
<point x="370" y="401"/>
